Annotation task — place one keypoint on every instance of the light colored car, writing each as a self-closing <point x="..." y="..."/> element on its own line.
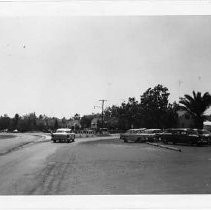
<point x="63" y="135"/>
<point x="151" y="135"/>
<point x="132" y="135"/>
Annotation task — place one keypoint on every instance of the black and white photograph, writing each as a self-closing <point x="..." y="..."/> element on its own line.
<point x="105" y="105"/>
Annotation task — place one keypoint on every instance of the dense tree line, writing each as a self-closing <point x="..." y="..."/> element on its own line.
<point x="153" y="110"/>
<point x="31" y="122"/>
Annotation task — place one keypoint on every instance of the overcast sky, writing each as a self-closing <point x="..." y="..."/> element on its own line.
<point x="60" y="66"/>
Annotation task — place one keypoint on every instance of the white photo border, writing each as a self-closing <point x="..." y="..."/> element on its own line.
<point x="104" y="8"/>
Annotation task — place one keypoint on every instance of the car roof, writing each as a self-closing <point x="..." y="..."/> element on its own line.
<point x="63" y="129"/>
<point x="137" y="129"/>
<point x="179" y="129"/>
<point x="203" y="130"/>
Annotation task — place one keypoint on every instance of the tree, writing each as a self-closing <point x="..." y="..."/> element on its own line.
<point x="171" y="116"/>
<point x="4" y="122"/>
<point x="155" y="107"/>
<point x="86" y="120"/>
<point x="56" y="125"/>
<point x="76" y="127"/>
<point x="32" y="121"/>
<point x="76" y="116"/>
<point x="64" y="122"/>
<point x="14" y="122"/>
<point x="196" y="105"/>
<point x="130" y="113"/>
<point x="111" y="116"/>
<point x="112" y="123"/>
<point x="125" y="116"/>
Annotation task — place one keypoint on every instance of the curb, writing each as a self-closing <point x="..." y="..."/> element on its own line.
<point x="166" y="147"/>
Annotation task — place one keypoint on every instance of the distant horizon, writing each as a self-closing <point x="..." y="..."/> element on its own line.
<point x="208" y="112"/>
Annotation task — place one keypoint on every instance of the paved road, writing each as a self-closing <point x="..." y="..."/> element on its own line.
<point x="31" y="164"/>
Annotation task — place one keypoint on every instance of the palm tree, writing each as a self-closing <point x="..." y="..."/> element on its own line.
<point x="196" y="106"/>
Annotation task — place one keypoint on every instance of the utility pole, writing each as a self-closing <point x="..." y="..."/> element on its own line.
<point x="102" y="106"/>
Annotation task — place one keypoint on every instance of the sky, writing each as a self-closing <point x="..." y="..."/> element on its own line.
<point x="63" y="65"/>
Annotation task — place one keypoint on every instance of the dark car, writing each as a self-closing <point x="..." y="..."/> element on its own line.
<point x="205" y="135"/>
<point x="183" y="136"/>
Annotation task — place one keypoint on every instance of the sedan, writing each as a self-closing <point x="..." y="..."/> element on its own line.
<point x="63" y="135"/>
<point x="151" y="135"/>
<point x="183" y="136"/>
<point x="132" y="135"/>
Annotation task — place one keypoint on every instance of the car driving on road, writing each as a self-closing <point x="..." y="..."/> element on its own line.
<point x="63" y="135"/>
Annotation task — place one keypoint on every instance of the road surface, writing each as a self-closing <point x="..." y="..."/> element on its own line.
<point x="30" y="164"/>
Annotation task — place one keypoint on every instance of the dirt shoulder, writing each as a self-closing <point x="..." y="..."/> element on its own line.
<point x="13" y="142"/>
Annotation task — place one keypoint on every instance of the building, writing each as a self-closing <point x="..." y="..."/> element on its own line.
<point x="75" y="124"/>
<point x="95" y="123"/>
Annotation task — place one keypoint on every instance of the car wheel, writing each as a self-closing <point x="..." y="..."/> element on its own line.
<point x="125" y="141"/>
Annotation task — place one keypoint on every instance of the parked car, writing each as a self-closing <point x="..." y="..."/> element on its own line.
<point x="103" y="131"/>
<point x="63" y="135"/>
<point x="205" y="134"/>
<point x="132" y="135"/>
<point x="151" y="135"/>
<point x="182" y="136"/>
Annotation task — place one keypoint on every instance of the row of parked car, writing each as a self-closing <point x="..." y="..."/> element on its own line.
<point x="174" y="135"/>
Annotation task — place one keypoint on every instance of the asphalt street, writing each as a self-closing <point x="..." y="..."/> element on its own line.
<point x="30" y="164"/>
